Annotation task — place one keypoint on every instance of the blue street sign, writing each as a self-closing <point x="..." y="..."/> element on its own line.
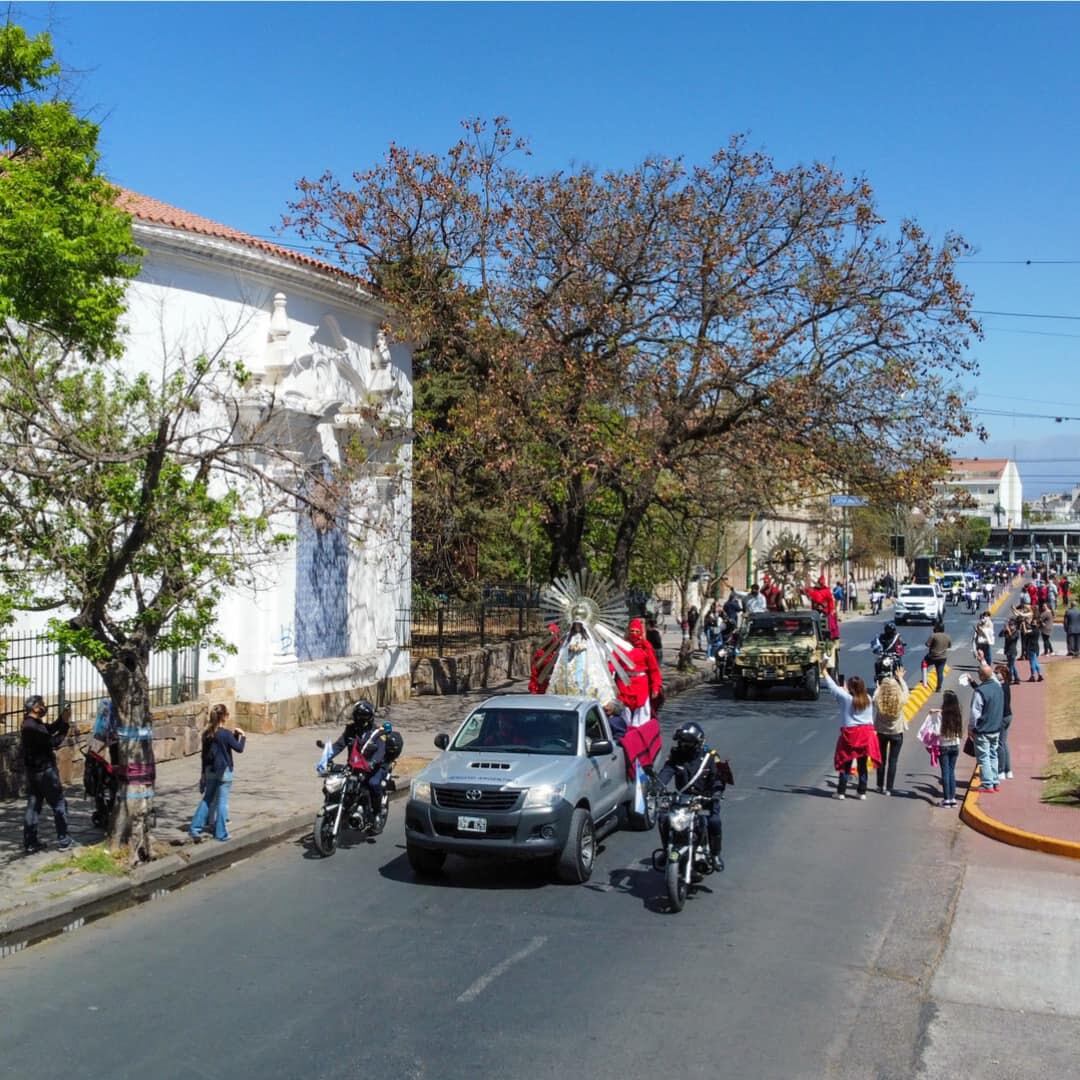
<point x="846" y="500"/>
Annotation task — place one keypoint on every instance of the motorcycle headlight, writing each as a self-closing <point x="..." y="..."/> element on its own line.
<point x="544" y="795"/>
<point x="334" y="783"/>
<point x="681" y="818"/>
<point x="420" y="791"/>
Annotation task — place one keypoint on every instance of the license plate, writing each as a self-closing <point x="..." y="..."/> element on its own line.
<point x="472" y="824"/>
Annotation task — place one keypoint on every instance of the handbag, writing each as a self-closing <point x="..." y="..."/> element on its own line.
<point x="969" y="746"/>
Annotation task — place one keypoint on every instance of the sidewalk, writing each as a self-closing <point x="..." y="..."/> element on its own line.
<point x="275" y="796"/>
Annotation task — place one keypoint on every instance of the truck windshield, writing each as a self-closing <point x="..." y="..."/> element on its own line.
<point x="519" y="731"/>
<point x="780" y="628"/>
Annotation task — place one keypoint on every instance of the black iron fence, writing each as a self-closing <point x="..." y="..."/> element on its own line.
<point x="442" y="629"/>
<point x="60" y="675"/>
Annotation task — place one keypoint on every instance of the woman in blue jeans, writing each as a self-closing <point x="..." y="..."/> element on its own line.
<point x="1004" y="759"/>
<point x="950" y="725"/>
<point x="218" y="744"/>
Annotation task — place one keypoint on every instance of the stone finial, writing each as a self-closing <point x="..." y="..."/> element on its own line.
<point x="277" y="353"/>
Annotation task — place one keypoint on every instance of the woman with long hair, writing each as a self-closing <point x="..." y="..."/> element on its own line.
<point x="858" y="740"/>
<point x="218" y="745"/>
<point x="889" y="723"/>
<point x="1004" y="760"/>
<point x="948" y="722"/>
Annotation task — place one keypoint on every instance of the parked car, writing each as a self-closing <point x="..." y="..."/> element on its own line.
<point x="919" y="603"/>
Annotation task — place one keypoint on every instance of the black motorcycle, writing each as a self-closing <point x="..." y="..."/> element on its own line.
<point x="347" y="803"/>
<point x="686" y="856"/>
<point x="885" y="666"/>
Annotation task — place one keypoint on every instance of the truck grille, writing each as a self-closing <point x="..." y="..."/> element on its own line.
<point x="452" y="798"/>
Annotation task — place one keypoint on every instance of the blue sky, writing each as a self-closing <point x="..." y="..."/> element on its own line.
<point x="962" y="116"/>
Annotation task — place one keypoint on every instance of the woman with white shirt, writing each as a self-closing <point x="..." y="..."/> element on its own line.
<point x="982" y="642"/>
<point x="858" y="740"/>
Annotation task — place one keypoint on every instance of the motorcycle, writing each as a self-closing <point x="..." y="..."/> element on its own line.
<point x="347" y="802"/>
<point x="885" y="666"/>
<point x="724" y="657"/>
<point x="686" y="857"/>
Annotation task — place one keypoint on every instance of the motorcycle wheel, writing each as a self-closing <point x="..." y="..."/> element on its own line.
<point x="323" y="832"/>
<point x="676" y="884"/>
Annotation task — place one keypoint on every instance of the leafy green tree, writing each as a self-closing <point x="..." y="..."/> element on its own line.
<point x="129" y="502"/>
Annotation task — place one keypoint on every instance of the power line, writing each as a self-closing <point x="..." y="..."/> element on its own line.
<point x="1020" y="262"/>
<point x="1024" y="315"/>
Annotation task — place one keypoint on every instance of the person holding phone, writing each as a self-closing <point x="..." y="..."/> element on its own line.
<point x="218" y="745"/>
<point x="40" y="739"/>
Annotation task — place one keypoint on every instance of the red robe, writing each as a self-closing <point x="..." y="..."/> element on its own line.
<point x="645" y="682"/>
<point x="641" y="745"/>
<point x="823" y="600"/>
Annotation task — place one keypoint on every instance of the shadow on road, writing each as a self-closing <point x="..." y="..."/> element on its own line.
<point x="480" y="873"/>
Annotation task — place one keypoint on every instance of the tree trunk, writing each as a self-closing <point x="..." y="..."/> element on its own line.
<point x="129" y="687"/>
<point x="629" y="523"/>
<point x="566" y="531"/>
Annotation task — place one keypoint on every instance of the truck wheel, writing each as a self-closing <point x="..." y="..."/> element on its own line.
<point x="812" y="684"/>
<point x="575" y="862"/>
<point x="740" y="687"/>
<point x="424" y="862"/>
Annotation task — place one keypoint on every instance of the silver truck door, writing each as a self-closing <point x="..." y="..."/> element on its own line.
<point x="607" y="774"/>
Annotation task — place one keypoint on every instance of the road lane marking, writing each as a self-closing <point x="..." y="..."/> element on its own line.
<point x="501" y="968"/>
<point x="807" y="737"/>
<point x="767" y="766"/>
<point x="859" y="648"/>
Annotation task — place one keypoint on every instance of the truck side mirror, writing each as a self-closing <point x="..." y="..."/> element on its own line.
<point x="442" y="741"/>
<point x="600" y="747"/>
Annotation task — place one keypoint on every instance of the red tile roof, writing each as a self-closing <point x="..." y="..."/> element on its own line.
<point x="143" y="208"/>
<point x="980" y="466"/>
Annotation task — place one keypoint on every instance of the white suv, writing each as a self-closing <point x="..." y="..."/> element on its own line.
<point x="919" y="603"/>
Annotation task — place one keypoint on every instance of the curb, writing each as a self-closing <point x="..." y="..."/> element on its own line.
<point x="22" y="927"/>
<point x="973" y="816"/>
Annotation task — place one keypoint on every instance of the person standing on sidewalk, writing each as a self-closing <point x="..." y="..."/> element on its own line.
<point x="1070" y="621"/>
<point x="948" y="724"/>
<point x="858" y="740"/>
<point x="889" y="723"/>
<point x="40" y="741"/>
<point x="219" y="743"/>
<point x="1004" y="758"/>
<point x="1030" y="631"/>
<point x="1010" y="634"/>
<point x="984" y="726"/>
<point x="1046" y="628"/>
<point x="982" y="639"/>
<point x="938" y="645"/>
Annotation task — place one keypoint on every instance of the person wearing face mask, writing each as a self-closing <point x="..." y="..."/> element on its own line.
<point x="40" y="740"/>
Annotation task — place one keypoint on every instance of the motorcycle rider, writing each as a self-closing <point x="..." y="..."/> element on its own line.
<point x="697" y="769"/>
<point x="370" y="742"/>
<point x="887" y="643"/>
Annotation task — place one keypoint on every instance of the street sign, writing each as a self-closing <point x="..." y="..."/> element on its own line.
<point x="846" y="500"/>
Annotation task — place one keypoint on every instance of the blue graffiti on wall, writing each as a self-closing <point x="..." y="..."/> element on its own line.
<point x="322" y="590"/>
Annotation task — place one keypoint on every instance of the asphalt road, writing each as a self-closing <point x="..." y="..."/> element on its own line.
<point x="809" y="957"/>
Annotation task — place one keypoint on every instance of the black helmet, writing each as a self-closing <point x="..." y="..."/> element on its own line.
<point x="363" y="714"/>
<point x="690" y="736"/>
<point x="890" y="628"/>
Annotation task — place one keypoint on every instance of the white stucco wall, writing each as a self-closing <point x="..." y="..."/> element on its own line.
<point x="321" y="351"/>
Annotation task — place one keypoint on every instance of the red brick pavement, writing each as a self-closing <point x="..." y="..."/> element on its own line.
<point x="1016" y="814"/>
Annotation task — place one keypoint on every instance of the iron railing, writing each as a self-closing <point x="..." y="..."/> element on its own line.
<point x="442" y="629"/>
<point x="60" y="675"/>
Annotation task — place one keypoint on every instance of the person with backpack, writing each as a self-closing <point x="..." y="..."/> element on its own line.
<point x="218" y="745"/>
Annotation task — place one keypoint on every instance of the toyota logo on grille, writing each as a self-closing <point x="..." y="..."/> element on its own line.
<point x="474" y="794"/>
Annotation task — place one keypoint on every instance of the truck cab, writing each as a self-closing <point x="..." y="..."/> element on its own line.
<point x="533" y="776"/>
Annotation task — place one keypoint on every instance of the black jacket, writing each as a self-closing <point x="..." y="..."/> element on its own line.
<point x="40" y="740"/>
<point x="373" y="745"/>
<point x="701" y="772"/>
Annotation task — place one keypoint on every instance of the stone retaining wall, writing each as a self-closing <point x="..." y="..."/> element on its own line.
<point x="492" y="665"/>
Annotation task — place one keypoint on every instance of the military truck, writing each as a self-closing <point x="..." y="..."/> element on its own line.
<point x="782" y="648"/>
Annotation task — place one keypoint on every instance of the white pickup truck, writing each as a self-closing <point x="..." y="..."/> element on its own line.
<point x="532" y="776"/>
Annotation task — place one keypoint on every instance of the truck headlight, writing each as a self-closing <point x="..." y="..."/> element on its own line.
<point x="420" y="791"/>
<point x="544" y="795"/>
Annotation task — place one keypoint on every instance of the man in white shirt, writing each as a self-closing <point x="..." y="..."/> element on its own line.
<point x="754" y="601"/>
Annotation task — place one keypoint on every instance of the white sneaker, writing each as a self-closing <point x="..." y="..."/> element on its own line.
<point x="839" y="795"/>
<point x="1008" y="776"/>
<point x="863" y="795"/>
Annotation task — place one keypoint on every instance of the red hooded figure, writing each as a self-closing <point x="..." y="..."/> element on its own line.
<point x="821" y="597"/>
<point x="644" y="672"/>
<point x="773" y="594"/>
<point x="542" y="661"/>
